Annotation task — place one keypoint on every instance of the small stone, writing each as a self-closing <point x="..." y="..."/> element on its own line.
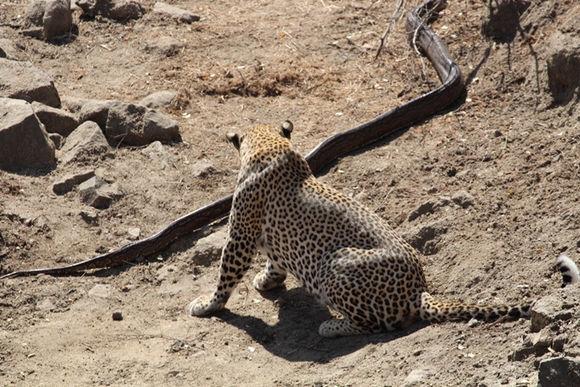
<point x="35" y="12"/>
<point x="84" y="143"/>
<point x="56" y="139"/>
<point x="23" y="80"/>
<point x="46" y="305"/>
<point x="202" y="168"/>
<point x="57" y="20"/>
<point x="134" y="233"/>
<point x="209" y="249"/>
<point x="96" y="193"/>
<point x="55" y="120"/>
<point x="551" y="308"/>
<point x="418" y="377"/>
<point x="24" y="143"/>
<point x="67" y="183"/>
<point x="559" y="372"/>
<point x="123" y="10"/>
<point x="463" y="199"/>
<point x="101" y="291"/>
<point x="164" y="46"/>
<point x="473" y="323"/>
<point x="10" y="50"/>
<point x="117" y="316"/>
<point x="173" y="12"/>
<point x="158" y="100"/>
<point x="89" y="216"/>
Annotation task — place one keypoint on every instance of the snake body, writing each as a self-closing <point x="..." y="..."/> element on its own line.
<point x="331" y="149"/>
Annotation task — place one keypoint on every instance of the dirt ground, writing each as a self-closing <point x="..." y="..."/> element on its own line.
<point x="508" y="147"/>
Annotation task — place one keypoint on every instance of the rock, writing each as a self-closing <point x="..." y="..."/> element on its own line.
<point x="22" y="80"/>
<point x="101" y="291"/>
<point x="55" y="120"/>
<point x="95" y="110"/>
<point x="89" y="216"/>
<point x="158" y="100"/>
<point x="56" y="139"/>
<point x="418" y="377"/>
<point x="67" y="183"/>
<point x="559" y="372"/>
<point x="426" y="208"/>
<point x="563" y="64"/>
<point x="164" y="46"/>
<point x="426" y="238"/>
<point x="553" y="307"/>
<point x="46" y="305"/>
<point x="134" y="233"/>
<point x="74" y="104"/>
<point x="118" y="10"/>
<point x="23" y="141"/>
<point x="35" y="12"/>
<point x="173" y="12"/>
<point x="57" y="20"/>
<point x="157" y="153"/>
<point x="123" y="10"/>
<point x="209" y="249"/>
<point x="131" y="124"/>
<point x="96" y="193"/>
<point x="85" y="142"/>
<point x="463" y="199"/>
<point x="9" y="49"/>
<point x="202" y="168"/>
<point x="117" y="316"/>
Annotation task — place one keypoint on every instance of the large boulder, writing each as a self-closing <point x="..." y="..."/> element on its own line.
<point x="159" y="100"/>
<point x="22" y="80"/>
<point x="174" y="12"/>
<point x="35" y="12"/>
<point x="55" y="120"/>
<point x="118" y="10"/>
<point x="559" y="372"/>
<point x="24" y="144"/>
<point x="85" y="142"/>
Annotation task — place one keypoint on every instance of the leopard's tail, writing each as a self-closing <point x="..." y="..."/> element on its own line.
<point x="435" y="309"/>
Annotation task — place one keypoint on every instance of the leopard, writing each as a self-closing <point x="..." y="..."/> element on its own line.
<point x="344" y="254"/>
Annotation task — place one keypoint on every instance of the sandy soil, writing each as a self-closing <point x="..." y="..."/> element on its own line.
<point x="508" y="145"/>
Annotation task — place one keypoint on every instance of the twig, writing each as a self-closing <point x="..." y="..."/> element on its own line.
<point x="394" y="18"/>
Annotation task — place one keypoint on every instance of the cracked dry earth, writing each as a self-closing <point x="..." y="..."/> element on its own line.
<point x="487" y="191"/>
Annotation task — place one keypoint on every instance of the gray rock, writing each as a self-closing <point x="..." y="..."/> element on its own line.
<point x="69" y="182"/>
<point x="23" y="141"/>
<point x="22" y="80"/>
<point x="123" y="10"/>
<point x="46" y="305"/>
<point x="85" y="142"/>
<point x="426" y="238"/>
<point x="101" y="291"/>
<point x="559" y="372"/>
<point x="89" y="216"/>
<point x="553" y="307"/>
<point x="56" y="139"/>
<point x="173" y="12"/>
<point x="96" y="193"/>
<point x="158" y="100"/>
<point x="118" y="10"/>
<point x="131" y="124"/>
<point x="463" y="199"/>
<point x="9" y="49"/>
<point x="35" y="12"/>
<point x="164" y="46"/>
<point x="57" y="20"/>
<point x="95" y="110"/>
<point x="55" y="120"/>
<point x="117" y="316"/>
<point x="202" y="168"/>
<point x="157" y="153"/>
<point x="133" y="233"/>
<point x="418" y="377"/>
<point x="209" y="249"/>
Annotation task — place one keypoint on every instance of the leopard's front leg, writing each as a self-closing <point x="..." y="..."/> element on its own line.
<point x="241" y="246"/>
<point x="235" y="262"/>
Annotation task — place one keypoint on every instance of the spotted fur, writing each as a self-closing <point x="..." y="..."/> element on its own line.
<point x="344" y="254"/>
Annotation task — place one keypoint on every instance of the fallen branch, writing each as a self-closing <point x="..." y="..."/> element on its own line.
<point x="333" y="148"/>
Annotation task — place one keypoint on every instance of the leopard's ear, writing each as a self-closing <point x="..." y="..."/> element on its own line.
<point x="234" y="138"/>
<point x="286" y="129"/>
